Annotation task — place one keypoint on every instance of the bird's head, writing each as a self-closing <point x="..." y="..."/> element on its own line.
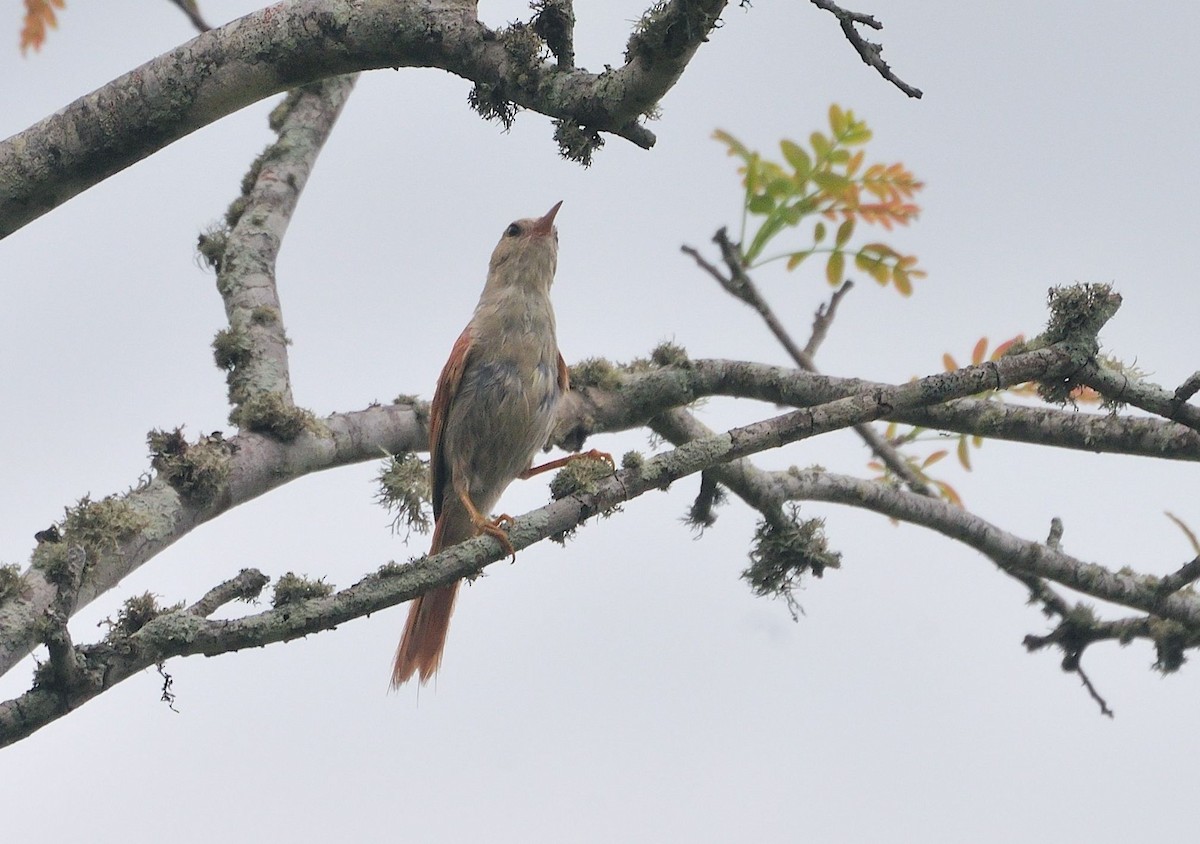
<point x="527" y="253"/>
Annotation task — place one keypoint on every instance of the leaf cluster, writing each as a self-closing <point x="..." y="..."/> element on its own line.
<point x="39" y="17"/>
<point x="829" y="180"/>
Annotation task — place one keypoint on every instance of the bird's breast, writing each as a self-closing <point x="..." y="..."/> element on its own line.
<point x="501" y="416"/>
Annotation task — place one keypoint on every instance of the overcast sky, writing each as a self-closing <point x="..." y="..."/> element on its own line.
<point x="628" y="687"/>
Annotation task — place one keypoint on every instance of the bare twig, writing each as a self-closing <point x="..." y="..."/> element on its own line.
<point x="1188" y="388"/>
<point x="824" y="319"/>
<point x="192" y="10"/>
<point x="1087" y="684"/>
<point x="1186" y="575"/>
<point x="870" y="52"/>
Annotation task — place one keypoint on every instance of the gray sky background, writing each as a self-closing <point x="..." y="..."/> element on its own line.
<point x="629" y="687"/>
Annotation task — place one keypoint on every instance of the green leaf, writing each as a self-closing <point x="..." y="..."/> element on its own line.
<point x="856" y="134"/>
<point x="835" y="267"/>
<point x="798" y="158"/>
<point x="845" y="230"/>
<point x="819" y="233"/>
<point x="762" y="204"/>
<point x="837" y="120"/>
<point x="735" y="146"/>
<point x="770" y="227"/>
<point x="753" y="167"/>
<point x="820" y="145"/>
<point x="780" y="187"/>
<point x="831" y="182"/>
<point x="792" y="213"/>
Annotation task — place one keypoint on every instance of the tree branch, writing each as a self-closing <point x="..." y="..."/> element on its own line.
<point x="253" y="350"/>
<point x="1009" y="552"/>
<point x="295" y="42"/>
<point x="183" y="632"/>
<point x="1120" y="388"/>
<point x="624" y="400"/>
<point x="252" y="464"/>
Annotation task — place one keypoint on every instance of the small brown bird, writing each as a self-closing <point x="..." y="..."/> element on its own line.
<point x="492" y="411"/>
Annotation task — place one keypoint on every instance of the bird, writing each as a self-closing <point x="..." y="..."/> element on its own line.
<point x="492" y="411"/>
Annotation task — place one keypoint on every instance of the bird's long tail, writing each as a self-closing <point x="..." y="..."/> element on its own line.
<point x="420" y="650"/>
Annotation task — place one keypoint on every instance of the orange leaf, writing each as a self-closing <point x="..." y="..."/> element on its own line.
<point x="949" y="362"/>
<point x="934" y="458"/>
<point x="978" y="352"/>
<point x="949" y="493"/>
<point x="1005" y="346"/>
<point x="39" y="15"/>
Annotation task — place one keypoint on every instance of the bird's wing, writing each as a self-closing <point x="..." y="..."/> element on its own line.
<point x="564" y="374"/>
<point x="447" y="388"/>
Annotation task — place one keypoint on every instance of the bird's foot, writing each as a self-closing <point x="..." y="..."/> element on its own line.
<point x="593" y="454"/>
<point x="497" y="529"/>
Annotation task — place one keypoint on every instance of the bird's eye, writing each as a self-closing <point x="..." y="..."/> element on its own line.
<point x="512" y="231"/>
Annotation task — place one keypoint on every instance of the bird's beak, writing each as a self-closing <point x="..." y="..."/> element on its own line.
<point x="545" y="225"/>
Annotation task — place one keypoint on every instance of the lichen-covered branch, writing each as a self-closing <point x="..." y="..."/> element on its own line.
<point x="1009" y="552"/>
<point x="121" y="533"/>
<point x="1120" y="388"/>
<point x="183" y="632"/>
<point x="253" y="349"/>
<point x="609" y="398"/>
<point x="296" y="42"/>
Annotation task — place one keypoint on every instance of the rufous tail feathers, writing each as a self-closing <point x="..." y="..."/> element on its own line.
<point x="420" y="650"/>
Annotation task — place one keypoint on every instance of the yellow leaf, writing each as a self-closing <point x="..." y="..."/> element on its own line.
<point x="964" y="453"/>
<point x="835" y="268"/>
<point x="845" y="230"/>
<point x="795" y="258"/>
<point x="837" y="119"/>
<point x="735" y="146"/>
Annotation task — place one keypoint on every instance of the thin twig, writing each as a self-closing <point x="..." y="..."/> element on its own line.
<point x="824" y="319"/>
<point x="1188" y="574"/>
<point x="1188" y="388"/>
<point x="1087" y="684"/>
<point x="189" y="8"/>
<point x="870" y="52"/>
